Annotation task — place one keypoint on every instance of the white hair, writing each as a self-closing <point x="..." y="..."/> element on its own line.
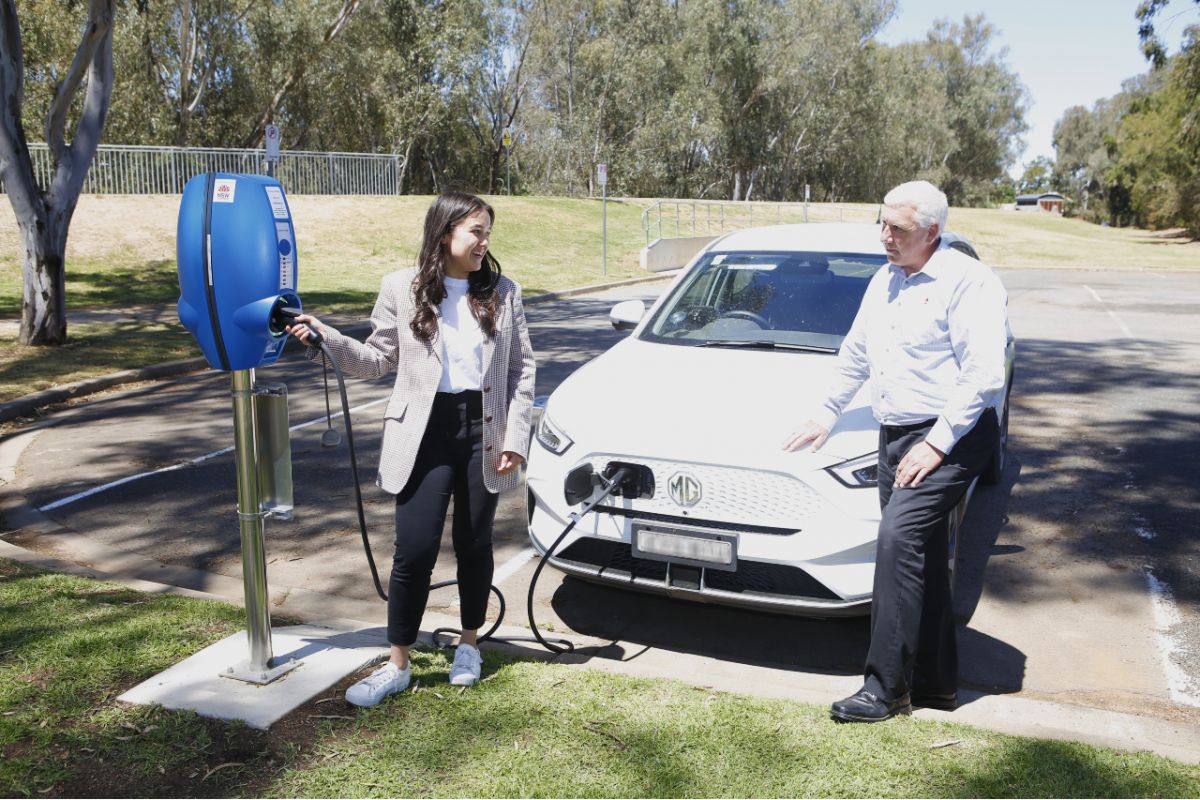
<point x="927" y="201"/>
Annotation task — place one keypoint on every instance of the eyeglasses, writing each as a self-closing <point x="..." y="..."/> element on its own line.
<point x="896" y="230"/>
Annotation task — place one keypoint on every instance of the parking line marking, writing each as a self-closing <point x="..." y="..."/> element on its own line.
<point x="510" y="567"/>
<point x="1120" y="322"/>
<point x="1167" y="617"/>
<point x="190" y="462"/>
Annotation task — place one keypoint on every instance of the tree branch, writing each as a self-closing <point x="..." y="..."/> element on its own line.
<point x="97" y="30"/>
<point x="70" y="171"/>
<point x="339" y="22"/>
<point x="15" y="166"/>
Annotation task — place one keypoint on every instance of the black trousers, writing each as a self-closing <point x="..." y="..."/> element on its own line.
<point x="913" y="645"/>
<point x="449" y="464"/>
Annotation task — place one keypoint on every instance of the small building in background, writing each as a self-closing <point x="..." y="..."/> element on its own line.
<point x="1049" y="202"/>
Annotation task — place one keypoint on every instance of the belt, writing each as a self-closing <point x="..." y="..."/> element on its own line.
<point x="916" y="426"/>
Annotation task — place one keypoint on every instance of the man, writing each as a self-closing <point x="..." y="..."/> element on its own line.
<point x="930" y="334"/>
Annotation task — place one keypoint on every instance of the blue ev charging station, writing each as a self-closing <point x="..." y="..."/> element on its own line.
<point x="236" y="254"/>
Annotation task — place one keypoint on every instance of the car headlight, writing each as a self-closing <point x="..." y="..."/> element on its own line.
<point x="857" y="473"/>
<point x="552" y="437"/>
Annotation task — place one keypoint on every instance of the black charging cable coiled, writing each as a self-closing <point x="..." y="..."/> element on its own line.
<point x="556" y="646"/>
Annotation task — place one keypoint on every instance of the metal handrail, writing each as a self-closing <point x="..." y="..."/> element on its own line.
<point x="722" y="215"/>
<point x="148" y="169"/>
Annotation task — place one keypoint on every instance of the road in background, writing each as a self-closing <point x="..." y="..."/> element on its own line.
<point x="1091" y="590"/>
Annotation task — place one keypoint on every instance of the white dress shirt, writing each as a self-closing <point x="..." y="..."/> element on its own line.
<point x="932" y="345"/>
<point x="462" y="340"/>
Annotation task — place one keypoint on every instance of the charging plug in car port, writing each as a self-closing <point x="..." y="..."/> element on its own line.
<point x="638" y="480"/>
<point x="582" y="481"/>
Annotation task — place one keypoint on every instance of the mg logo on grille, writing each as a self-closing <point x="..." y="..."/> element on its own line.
<point x="685" y="489"/>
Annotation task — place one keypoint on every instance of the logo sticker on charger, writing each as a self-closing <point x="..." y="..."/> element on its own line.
<point x="224" y="190"/>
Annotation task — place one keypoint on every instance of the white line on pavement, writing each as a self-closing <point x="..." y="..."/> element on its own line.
<point x="1166" y="618"/>
<point x="1120" y="323"/>
<point x="190" y="462"/>
<point x="510" y="567"/>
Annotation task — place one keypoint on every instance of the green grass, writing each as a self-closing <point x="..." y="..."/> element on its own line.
<point x="69" y="646"/>
<point x="121" y="255"/>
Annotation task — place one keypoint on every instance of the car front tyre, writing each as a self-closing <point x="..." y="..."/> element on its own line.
<point x="994" y="471"/>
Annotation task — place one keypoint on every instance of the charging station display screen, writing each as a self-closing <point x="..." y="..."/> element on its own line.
<point x="236" y="254"/>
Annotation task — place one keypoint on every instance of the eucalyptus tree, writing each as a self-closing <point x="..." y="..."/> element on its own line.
<point x="74" y="122"/>
<point x="985" y="106"/>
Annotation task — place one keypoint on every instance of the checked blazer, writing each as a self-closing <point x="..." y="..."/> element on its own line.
<point x="507" y="384"/>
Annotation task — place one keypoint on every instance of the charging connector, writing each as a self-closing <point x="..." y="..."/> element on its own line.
<point x="283" y="315"/>
<point x="636" y="480"/>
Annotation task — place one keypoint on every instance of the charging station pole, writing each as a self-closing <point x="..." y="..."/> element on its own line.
<point x="250" y="523"/>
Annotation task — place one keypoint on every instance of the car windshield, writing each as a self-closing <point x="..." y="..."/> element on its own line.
<point x="778" y="300"/>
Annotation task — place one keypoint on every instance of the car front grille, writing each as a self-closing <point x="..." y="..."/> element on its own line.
<point x="729" y="494"/>
<point x="675" y="519"/>
<point x="615" y="560"/>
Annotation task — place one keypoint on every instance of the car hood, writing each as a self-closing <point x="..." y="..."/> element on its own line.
<point x="707" y="404"/>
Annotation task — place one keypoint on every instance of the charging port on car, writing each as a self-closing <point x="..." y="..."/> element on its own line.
<point x="638" y="481"/>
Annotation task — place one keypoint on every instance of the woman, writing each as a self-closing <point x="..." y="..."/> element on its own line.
<point x="457" y="423"/>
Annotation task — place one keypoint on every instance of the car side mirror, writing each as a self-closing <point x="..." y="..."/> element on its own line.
<point x="626" y="315"/>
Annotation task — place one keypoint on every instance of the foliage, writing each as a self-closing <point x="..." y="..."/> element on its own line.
<point x="1038" y="176"/>
<point x="1135" y="158"/>
<point x="754" y="99"/>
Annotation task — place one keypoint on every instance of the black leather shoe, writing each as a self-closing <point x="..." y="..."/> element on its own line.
<point x="942" y="702"/>
<point x="866" y="707"/>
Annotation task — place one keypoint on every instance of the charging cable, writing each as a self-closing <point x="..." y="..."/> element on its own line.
<point x="606" y="485"/>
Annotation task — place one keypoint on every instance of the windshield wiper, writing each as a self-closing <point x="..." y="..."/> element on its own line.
<point x="765" y="344"/>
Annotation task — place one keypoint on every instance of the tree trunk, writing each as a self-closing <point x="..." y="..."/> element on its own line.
<point x="44" y="214"/>
<point x="43" y="301"/>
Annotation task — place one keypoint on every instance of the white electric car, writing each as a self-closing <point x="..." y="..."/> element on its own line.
<point x="696" y="402"/>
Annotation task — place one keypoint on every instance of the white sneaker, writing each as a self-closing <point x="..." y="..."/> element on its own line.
<point x="386" y="680"/>
<point x="467" y="666"/>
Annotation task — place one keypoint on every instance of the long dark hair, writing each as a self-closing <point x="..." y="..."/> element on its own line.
<point x="429" y="289"/>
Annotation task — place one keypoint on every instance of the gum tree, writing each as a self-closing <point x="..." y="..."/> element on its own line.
<point x="44" y="212"/>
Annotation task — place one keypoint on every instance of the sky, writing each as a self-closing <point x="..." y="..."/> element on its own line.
<point x="1066" y="52"/>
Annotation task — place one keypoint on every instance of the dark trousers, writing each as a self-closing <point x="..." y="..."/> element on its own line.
<point x="913" y="645"/>
<point x="449" y="464"/>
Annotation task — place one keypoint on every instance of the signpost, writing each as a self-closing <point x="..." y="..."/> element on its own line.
<point x="602" y="179"/>
<point x="271" y="137"/>
<point x="507" y="162"/>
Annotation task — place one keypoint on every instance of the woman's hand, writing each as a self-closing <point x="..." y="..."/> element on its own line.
<point x="303" y="326"/>
<point x="509" y="461"/>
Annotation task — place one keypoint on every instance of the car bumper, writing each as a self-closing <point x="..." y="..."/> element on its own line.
<point x="801" y="574"/>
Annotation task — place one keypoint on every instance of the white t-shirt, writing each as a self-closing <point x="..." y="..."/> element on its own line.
<point x="462" y="341"/>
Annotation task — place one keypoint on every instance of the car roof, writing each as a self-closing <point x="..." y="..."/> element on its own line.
<point x="833" y="237"/>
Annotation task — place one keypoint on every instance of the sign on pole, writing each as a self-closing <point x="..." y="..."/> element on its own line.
<point x="507" y="161"/>
<point x="271" y="137"/>
<point x="602" y="174"/>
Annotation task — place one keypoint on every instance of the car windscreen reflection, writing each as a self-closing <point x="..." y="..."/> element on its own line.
<point x="785" y="300"/>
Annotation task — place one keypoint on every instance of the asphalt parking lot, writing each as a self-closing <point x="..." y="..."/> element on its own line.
<point x="1079" y="574"/>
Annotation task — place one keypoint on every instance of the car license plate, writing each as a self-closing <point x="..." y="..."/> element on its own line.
<point x="698" y="548"/>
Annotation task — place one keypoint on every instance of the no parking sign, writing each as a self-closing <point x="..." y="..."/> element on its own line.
<point x="272" y="138"/>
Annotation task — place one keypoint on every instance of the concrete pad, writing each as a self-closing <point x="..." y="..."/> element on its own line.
<point x="326" y="656"/>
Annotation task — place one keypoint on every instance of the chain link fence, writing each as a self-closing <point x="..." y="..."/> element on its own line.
<point x="138" y="169"/>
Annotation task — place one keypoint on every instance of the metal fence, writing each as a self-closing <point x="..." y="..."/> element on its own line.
<point x="673" y="219"/>
<point x="137" y="169"/>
